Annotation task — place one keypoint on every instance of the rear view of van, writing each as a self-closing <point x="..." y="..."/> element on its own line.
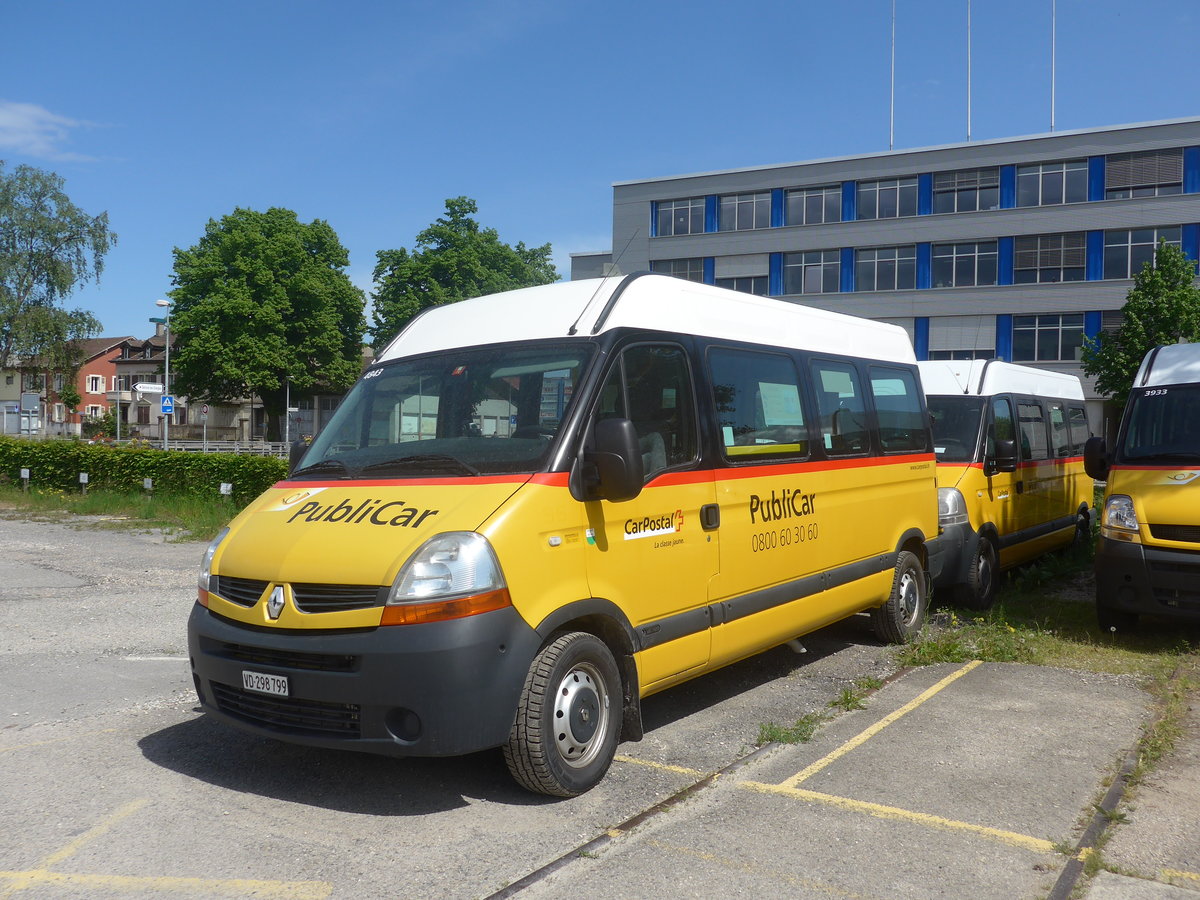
<point x="1148" y="558"/>
<point x="1011" y="484"/>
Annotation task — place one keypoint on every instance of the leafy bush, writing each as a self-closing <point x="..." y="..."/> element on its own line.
<point x="57" y="464"/>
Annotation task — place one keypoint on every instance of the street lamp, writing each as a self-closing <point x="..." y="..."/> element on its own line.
<point x="166" y="304"/>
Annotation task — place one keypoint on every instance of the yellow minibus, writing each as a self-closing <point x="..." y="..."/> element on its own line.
<point x="537" y="508"/>
<point x="1148" y="556"/>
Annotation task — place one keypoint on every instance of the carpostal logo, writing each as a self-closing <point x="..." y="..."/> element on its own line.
<point x="394" y="513"/>
<point x="789" y="503"/>
<point x="653" y="526"/>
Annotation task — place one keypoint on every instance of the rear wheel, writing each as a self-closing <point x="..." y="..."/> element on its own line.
<point x="568" y="720"/>
<point x="979" y="593"/>
<point x="901" y="617"/>
<point x="1083" y="530"/>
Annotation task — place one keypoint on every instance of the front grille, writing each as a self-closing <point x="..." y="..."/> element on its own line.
<point x="318" y="598"/>
<point x="1184" y="533"/>
<point x="242" y="591"/>
<point x="284" y="659"/>
<point x="1174" y="582"/>
<point x="289" y="714"/>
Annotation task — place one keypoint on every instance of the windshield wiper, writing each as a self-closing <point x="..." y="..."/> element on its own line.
<point x="324" y="465"/>
<point x="424" y="462"/>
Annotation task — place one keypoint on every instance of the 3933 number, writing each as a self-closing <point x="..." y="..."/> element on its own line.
<point x="787" y="536"/>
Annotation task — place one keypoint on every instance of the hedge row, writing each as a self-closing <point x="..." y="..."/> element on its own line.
<point x="57" y="464"/>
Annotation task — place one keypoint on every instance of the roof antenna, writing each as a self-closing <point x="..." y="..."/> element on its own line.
<point x="574" y="329"/>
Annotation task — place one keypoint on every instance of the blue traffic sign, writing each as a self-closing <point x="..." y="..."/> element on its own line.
<point x="168" y="405"/>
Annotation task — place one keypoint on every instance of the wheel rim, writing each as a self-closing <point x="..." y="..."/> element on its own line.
<point x="581" y="711"/>
<point x="986" y="571"/>
<point x="909" y="597"/>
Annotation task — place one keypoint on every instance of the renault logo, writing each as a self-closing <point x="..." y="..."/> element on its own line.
<point x="275" y="603"/>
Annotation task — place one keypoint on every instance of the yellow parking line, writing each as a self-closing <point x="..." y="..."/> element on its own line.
<point x="681" y="770"/>
<point x="1175" y="873"/>
<point x="103" y="828"/>
<point x="232" y="887"/>
<point x="883" y="723"/>
<point x="879" y="811"/>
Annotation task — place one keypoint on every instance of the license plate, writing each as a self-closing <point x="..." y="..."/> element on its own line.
<point x="265" y="683"/>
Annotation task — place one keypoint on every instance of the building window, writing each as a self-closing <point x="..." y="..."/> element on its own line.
<point x="1125" y="252"/>
<point x="963" y="354"/>
<point x="690" y="269"/>
<point x="1049" y="184"/>
<point x="889" y="199"/>
<point x="966" y="191"/>
<point x="743" y="212"/>
<point x="58" y="382"/>
<point x="964" y="265"/>
<point x="1147" y="174"/>
<point x="680" y="217"/>
<point x="748" y="284"/>
<point x="143" y="414"/>
<point x="60" y="413"/>
<point x="814" y="206"/>
<point x="33" y="382"/>
<point x="1048" y="258"/>
<point x="886" y="269"/>
<point x="94" y="411"/>
<point x="95" y="384"/>
<point x="812" y="272"/>
<point x="1111" y="320"/>
<point x="1047" y="338"/>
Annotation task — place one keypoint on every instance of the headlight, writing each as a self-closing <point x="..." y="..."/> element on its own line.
<point x="206" y="566"/>
<point x="952" y="508"/>
<point x="453" y="575"/>
<point x="1119" y="515"/>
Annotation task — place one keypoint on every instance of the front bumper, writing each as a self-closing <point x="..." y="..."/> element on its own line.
<point x="1147" y="580"/>
<point x="950" y="555"/>
<point x="439" y="689"/>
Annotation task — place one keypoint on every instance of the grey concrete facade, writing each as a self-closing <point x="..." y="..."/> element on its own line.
<point x="934" y="316"/>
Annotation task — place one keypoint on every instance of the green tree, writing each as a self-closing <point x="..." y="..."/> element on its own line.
<point x="453" y="259"/>
<point x="50" y="340"/>
<point x="263" y="299"/>
<point x="48" y="246"/>
<point x="1162" y="307"/>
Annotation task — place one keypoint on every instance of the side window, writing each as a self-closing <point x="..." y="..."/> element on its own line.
<point x="1060" y="434"/>
<point x="1080" y="430"/>
<point x="898" y="410"/>
<point x="843" y="409"/>
<point x="1001" y="428"/>
<point x="652" y="386"/>
<point x="757" y="398"/>
<point x="1033" y="431"/>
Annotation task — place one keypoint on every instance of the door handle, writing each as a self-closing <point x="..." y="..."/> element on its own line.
<point x="1020" y="487"/>
<point x="710" y="516"/>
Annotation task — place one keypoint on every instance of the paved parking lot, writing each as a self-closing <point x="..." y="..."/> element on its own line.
<point x="964" y="780"/>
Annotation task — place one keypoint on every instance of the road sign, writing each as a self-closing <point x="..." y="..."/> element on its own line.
<point x="148" y="387"/>
<point x="168" y="404"/>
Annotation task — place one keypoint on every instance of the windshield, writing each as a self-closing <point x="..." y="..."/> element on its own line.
<point x="1163" y="426"/>
<point x="486" y="411"/>
<point x="955" y="426"/>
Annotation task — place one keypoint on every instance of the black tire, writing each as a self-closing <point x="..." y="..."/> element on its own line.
<point x="568" y="720"/>
<point x="901" y="617"/>
<point x="979" y="592"/>
<point x="1083" y="531"/>
<point x="1114" y="620"/>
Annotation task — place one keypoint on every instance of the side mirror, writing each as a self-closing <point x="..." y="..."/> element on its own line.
<point x="1095" y="458"/>
<point x="296" y="453"/>
<point x="1003" y="460"/>
<point x="612" y="468"/>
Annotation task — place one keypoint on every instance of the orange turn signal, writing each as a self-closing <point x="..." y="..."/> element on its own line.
<point x="441" y="610"/>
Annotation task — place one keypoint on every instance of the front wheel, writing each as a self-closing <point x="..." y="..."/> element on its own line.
<point x="979" y="593"/>
<point x="565" y="733"/>
<point x="901" y="617"/>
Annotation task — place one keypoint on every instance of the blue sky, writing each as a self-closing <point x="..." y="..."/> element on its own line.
<point x="370" y="114"/>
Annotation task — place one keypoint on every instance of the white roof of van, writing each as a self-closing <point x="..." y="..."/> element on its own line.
<point x="657" y="302"/>
<point x="1172" y="364"/>
<point x="985" y="377"/>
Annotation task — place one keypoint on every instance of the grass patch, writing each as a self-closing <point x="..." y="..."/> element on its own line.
<point x="1046" y="615"/>
<point x="799" y="733"/>
<point x="185" y="518"/>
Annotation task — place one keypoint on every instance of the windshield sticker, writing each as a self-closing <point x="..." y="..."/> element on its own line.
<point x="372" y="512"/>
<point x="653" y="526"/>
